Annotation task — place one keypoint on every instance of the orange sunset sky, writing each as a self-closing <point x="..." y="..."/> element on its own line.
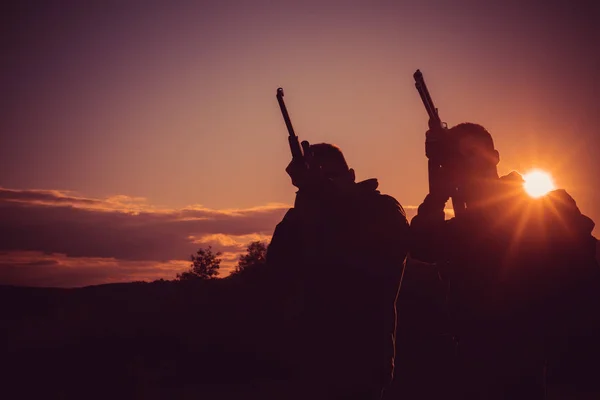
<point x="134" y="132"/>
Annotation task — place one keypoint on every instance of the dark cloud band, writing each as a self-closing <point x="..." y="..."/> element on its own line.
<point x="54" y="222"/>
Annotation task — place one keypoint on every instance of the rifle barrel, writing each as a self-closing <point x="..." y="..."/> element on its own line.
<point x="426" y="97"/>
<point x="292" y="138"/>
<point x="286" y="116"/>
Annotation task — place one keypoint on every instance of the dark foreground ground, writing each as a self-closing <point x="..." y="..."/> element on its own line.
<point x="200" y="340"/>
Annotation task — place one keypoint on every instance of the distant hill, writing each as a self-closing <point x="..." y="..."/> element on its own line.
<point x="217" y="339"/>
<point x="139" y="340"/>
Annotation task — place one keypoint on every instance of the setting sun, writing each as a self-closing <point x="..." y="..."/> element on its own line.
<point x="538" y="183"/>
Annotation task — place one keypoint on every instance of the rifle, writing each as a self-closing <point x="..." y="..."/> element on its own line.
<point x="297" y="152"/>
<point x="439" y="148"/>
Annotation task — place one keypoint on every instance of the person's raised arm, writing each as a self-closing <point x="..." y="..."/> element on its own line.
<point x="427" y="229"/>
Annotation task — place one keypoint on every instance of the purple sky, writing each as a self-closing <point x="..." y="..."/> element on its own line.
<point x="174" y="101"/>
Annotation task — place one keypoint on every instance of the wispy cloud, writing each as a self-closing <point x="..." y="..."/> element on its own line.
<point x="58" y="238"/>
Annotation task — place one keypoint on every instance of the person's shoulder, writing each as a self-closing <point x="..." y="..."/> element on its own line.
<point x="390" y="204"/>
<point x="560" y="205"/>
<point x="561" y="197"/>
<point x="559" y="202"/>
<point x="512" y="177"/>
<point x="367" y="191"/>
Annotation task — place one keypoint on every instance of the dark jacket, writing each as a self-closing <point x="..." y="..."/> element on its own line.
<point x="342" y="255"/>
<point x="521" y="273"/>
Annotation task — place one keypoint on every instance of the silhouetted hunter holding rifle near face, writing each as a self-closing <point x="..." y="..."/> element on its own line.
<point x="341" y="251"/>
<point x="523" y="281"/>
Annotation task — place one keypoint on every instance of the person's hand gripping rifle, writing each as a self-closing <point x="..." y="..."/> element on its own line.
<point x="440" y="151"/>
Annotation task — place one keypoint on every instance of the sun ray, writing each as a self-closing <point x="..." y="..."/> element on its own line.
<point x="515" y="239"/>
<point x="499" y="198"/>
<point x="510" y="209"/>
<point x="551" y="204"/>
